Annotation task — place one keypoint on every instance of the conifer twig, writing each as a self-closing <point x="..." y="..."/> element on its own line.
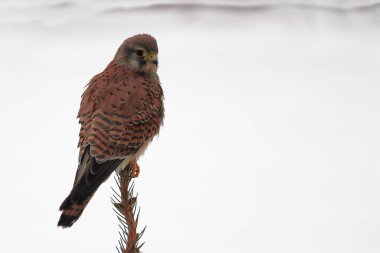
<point x="125" y="208"/>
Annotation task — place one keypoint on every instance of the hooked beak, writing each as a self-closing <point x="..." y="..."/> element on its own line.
<point x="151" y="63"/>
<point x="152" y="58"/>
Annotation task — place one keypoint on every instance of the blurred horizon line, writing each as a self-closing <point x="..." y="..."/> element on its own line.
<point x="66" y="11"/>
<point x="242" y="7"/>
<point x="328" y="5"/>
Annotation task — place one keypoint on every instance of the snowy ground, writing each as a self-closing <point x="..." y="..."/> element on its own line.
<point x="271" y="140"/>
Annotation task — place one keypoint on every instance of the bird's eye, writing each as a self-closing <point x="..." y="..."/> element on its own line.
<point x="140" y="53"/>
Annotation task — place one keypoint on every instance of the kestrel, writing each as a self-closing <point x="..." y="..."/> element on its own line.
<point x="120" y="113"/>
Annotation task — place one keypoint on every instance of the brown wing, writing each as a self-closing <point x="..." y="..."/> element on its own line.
<point x="120" y="111"/>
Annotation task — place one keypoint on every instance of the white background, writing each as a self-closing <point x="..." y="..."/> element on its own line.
<point x="271" y="140"/>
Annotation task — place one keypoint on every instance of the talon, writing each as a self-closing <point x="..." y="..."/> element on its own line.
<point x="135" y="169"/>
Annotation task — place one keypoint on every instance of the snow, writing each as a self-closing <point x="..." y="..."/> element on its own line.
<point x="270" y="142"/>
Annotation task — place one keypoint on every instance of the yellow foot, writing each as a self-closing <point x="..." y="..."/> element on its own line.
<point x="135" y="169"/>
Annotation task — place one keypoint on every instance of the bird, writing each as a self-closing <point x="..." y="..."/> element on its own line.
<point x="121" y="111"/>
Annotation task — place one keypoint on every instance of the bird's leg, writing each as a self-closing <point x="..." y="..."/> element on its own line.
<point x="135" y="169"/>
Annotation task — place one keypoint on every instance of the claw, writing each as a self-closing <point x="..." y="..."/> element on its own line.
<point x="135" y="169"/>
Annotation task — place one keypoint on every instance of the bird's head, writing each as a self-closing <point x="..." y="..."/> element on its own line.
<point x="138" y="53"/>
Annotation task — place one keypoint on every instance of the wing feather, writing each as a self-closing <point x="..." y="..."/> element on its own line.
<point x="115" y="110"/>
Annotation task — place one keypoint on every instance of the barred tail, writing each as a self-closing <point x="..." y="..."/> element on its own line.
<point x="90" y="176"/>
<point x="71" y="211"/>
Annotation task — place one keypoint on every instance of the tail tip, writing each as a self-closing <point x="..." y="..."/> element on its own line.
<point x="66" y="221"/>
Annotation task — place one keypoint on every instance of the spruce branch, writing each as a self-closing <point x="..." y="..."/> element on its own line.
<point x="125" y="209"/>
